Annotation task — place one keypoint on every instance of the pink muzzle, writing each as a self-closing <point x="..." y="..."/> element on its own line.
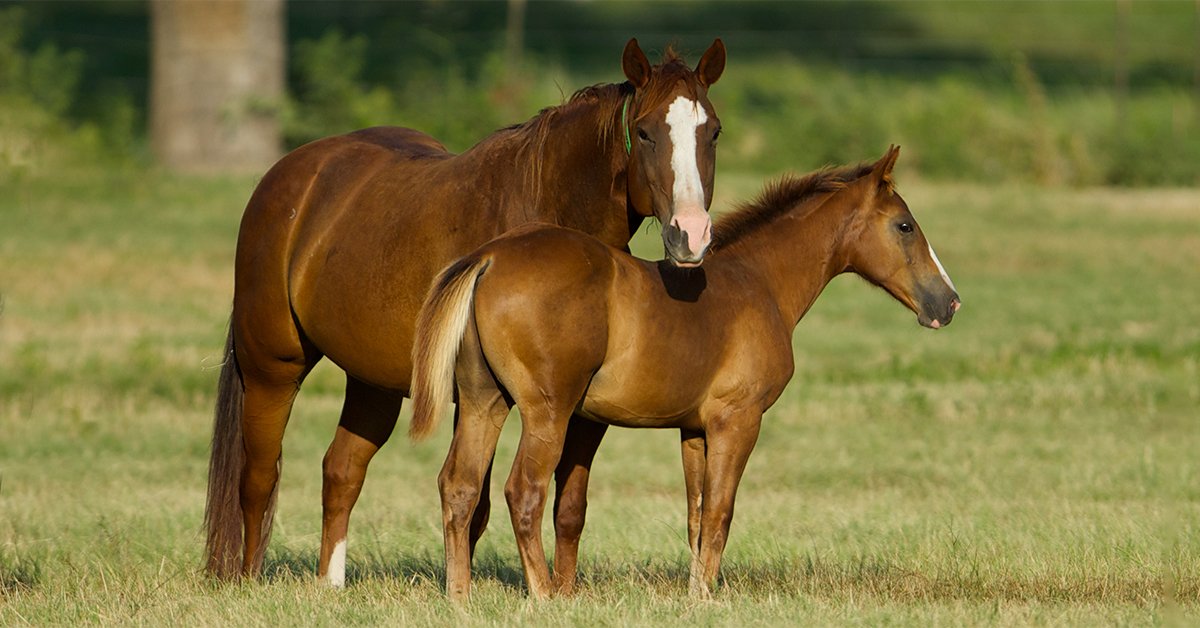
<point x="696" y="225"/>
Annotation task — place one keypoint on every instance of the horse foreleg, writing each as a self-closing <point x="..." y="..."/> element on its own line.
<point x="730" y="439"/>
<point x="692" y="444"/>
<point x="570" y="497"/>
<point x="368" y="418"/>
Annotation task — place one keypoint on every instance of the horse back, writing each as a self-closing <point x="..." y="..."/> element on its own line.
<point x="401" y="140"/>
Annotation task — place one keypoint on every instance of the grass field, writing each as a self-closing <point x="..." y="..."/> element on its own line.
<point x="1034" y="463"/>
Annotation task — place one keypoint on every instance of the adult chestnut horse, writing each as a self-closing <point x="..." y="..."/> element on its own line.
<point x="560" y="324"/>
<point x="341" y="239"/>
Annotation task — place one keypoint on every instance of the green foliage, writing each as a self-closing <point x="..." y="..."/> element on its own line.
<point x="454" y="105"/>
<point x="792" y="116"/>
<point x="37" y="90"/>
<point x="330" y="94"/>
<point x="998" y="91"/>
<point x="47" y="78"/>
<point x="785" y="114"/>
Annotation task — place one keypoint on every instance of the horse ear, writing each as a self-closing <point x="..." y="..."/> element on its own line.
<point x="882" y="170"/>
<point x="712" y="64"/>
<point x="635" y="64"/>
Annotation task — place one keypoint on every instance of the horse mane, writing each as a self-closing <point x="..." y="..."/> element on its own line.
<point x="608" y="99"/>
<point x="779" y="197"/>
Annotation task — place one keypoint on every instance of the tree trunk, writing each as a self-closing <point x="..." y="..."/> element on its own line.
<point x="217" y="79"/>
<point x="514" y="36"/>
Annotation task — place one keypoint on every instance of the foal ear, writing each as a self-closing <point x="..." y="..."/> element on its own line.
<point x="712" y="64"/>
<point x="635" y="64"/>
<point x="882" y="170"/>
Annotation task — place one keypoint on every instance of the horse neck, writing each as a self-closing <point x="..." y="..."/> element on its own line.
<point x="799" y="253"/>
<point x="576" y="168"/>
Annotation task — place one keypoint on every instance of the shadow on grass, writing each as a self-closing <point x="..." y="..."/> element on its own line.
<point x="801" y="576"/>
<point x="18" y="574"/>
<point x="417" y="569"/>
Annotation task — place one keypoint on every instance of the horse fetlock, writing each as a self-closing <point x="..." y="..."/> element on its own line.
<point x="698" y="587"/>
<point x="459" y="593"/>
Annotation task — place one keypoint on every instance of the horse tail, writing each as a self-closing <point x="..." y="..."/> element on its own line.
<point x="223" y="512"/>
<point x="440" y="329"/>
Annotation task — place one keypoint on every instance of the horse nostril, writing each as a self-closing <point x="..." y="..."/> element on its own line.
<point x="955" y="304"/>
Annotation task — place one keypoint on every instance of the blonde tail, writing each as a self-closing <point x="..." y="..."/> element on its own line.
<point x="440" y="328"/>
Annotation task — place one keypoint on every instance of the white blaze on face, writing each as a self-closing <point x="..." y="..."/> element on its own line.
<point x="337" y="566"/>
<point x="684" y="116"/>
<point x="940" y="268"/>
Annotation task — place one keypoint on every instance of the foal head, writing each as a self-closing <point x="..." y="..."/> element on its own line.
<point x="671" y="131"/>
<point x="887" y="248"/>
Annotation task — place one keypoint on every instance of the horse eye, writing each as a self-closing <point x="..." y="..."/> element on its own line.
<point x="716" y="134"/>
<point x="905" y="227"/>
<point x="644" y="136"/>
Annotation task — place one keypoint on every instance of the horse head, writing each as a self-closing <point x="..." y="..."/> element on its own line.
<point x="671" y="132"/>
<point x="888" y="248"/>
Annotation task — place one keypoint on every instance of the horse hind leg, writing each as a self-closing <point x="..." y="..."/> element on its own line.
<point x="543" y="431"/>
<point x="464" y="481"/>
<point x="267" y="406"/>
<point x="368" y="418"/>
<point x="463" y="485"/>
<point x="483" y="509"/>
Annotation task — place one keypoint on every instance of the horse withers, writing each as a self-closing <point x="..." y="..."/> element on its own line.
<point x="341" y="239"/>
<point x="559" y="323"/>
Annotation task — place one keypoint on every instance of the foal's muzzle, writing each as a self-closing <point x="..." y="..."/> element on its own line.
<point x="937" y="317"/>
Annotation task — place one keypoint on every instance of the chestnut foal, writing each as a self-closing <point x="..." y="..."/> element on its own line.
<point x="560" y="323"/>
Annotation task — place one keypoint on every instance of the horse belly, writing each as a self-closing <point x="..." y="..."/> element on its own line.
<point x="631" y="399"/>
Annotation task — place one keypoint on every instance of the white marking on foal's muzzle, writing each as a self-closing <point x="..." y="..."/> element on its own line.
<point x="684" y="116"/>
<point x="336" y="576"/>
<point x="940" y="268"/>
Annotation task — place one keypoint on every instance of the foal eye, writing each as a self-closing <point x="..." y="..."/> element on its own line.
<point x="905" y="227"/>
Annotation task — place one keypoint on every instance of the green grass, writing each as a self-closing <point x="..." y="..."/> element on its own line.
<point x="1034" y="463"/>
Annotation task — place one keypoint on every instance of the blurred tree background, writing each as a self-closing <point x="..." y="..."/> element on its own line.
<point x="1056" y="92"/>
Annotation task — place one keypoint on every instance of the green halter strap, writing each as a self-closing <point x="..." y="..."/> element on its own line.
<point x="625" y="112"/>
